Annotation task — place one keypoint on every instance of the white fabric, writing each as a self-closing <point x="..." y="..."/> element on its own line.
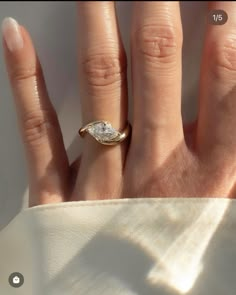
<point x="130" y="246"/>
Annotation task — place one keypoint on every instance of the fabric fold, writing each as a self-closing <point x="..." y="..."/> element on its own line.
<point x="142" y="246"/>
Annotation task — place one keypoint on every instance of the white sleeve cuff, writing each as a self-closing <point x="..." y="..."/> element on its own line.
<point x="143" y="246"/>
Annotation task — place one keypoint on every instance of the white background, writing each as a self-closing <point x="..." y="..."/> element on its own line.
<point x="53" y="27"/>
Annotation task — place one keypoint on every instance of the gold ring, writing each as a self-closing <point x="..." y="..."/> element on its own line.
<point x="104" y="133"/>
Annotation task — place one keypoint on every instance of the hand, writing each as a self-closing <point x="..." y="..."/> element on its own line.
<point x="163" y="157"/>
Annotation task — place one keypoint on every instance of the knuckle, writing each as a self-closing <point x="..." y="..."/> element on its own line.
<point x="160" y="43"/>
<point x="37" y="125"/>
<point x="222" y="57"/>
<point x="104" y="69"/>
<point x="20" y="72"/>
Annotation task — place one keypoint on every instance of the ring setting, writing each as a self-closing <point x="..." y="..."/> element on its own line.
<point x="105" y="133"/>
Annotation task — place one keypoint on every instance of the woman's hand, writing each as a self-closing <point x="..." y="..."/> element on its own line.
<point x="162" y="158"/>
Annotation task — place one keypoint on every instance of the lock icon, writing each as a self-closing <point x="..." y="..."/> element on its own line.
<point x="16" y="280"/>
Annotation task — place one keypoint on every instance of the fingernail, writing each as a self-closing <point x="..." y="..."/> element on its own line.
<point x="11" y="34"/>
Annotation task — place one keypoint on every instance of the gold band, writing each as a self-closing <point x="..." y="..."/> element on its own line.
<point x="104" y="133"/>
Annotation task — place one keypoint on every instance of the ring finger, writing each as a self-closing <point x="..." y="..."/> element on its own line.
<point x="102" y="77"/>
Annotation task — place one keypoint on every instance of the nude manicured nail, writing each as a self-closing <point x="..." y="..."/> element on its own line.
<point x="11" y="34"/>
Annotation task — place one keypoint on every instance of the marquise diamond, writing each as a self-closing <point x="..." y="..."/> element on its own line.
<point x="102" y="131"/>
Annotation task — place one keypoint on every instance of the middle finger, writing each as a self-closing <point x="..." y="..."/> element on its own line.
<point x="156" y="75"/>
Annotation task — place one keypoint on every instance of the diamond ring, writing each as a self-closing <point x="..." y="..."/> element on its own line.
<point x="104" y="133"/>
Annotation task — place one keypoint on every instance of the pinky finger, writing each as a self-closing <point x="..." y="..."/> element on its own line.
<point x="46" y="156"/>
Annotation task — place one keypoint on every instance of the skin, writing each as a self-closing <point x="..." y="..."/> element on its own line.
<point x="163" y="157"/>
